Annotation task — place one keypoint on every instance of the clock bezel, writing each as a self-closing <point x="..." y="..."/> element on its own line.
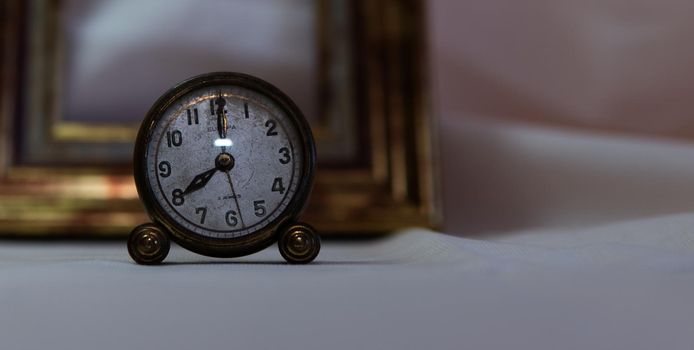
<point x="264" y="236"/>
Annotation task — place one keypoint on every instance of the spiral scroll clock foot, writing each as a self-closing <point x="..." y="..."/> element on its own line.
<point x="148" y="244"/>
<point x="224" y="164"/>
<point x="299" y="243"/>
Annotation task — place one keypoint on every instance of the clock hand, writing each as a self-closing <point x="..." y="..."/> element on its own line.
<point x="199" y="181"/>
<point x="233" y="193"/>
<point x="222" y="121"/>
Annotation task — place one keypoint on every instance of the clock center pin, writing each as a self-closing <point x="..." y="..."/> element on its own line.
<point x="224" y="162"/>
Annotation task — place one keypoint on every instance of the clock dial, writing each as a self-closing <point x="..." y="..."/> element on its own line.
<point x="224" y="164"/>
<point x="224" y="161"/>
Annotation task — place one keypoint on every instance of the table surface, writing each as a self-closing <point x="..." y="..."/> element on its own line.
<point x="628" y="285"/>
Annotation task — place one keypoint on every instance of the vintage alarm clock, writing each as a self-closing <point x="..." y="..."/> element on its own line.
<point x="224" y="164"/>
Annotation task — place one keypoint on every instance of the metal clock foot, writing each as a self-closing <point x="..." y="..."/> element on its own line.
<point x="299" y="243"/>
<point x="148" y="244"/>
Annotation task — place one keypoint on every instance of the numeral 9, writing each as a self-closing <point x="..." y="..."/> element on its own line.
<point x="164" y="169"/>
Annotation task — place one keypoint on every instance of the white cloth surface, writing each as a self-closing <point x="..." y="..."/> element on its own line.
<point x="622" y="286"/>
<point x="503" y="176"/>
<point x="620" y="70"/>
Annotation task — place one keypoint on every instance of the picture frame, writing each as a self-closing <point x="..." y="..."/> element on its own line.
<point x="59" y="178"/>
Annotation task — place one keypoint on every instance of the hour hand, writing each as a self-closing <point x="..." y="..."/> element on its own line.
<point x="199" y="181"/>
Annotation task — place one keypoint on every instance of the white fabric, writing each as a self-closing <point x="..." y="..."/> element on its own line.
<point x="623" y="286"/>
<point x="611" y="67"/>
<point x="501" y="176"/>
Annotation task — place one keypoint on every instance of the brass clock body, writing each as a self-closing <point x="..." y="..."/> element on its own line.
<point x="224" y="164"/>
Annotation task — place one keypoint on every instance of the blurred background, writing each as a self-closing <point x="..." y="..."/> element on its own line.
<point x="562" y="113"/>
<point x="544" y="113"/>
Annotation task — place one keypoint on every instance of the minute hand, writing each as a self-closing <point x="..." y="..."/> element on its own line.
<point x="199" y="181"/>
<point x="222" y="122"/>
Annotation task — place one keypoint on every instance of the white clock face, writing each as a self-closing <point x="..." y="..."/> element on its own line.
<point x="224" y="162"/>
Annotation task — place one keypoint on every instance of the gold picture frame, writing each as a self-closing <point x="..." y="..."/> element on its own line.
<point x="389" y="184"/>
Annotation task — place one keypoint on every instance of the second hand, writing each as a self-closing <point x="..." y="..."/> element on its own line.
<point x="236" y="200"/>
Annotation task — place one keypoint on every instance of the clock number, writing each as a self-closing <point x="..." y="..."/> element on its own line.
<point x="174" y="138"/>
<point x="277" y="185"/>
<point x="259" y="207"/>
<point x="245" y="109"/>
<point x="193" y="117"/>
<point x="177" y="198"/>
<point x="202" y="210"/>
<point x="271" y="124"/>
<point x="286" y="154"/>
<point x="212" y="110"/>
<point x="164" y="169"/>
<point x="231" y="218"/>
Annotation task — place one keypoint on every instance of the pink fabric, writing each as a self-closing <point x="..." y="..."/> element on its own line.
<point x="624" y="65"/>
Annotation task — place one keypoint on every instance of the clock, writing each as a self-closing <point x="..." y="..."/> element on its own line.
<point x="224" y="164"/>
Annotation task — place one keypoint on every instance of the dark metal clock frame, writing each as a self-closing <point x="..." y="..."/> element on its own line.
<point x="298" y="242"/>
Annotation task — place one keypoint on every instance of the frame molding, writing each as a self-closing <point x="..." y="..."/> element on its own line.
<point x="394" y="188"/>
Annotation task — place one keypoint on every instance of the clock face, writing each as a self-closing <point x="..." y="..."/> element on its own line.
<point x="224" y="161"/>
